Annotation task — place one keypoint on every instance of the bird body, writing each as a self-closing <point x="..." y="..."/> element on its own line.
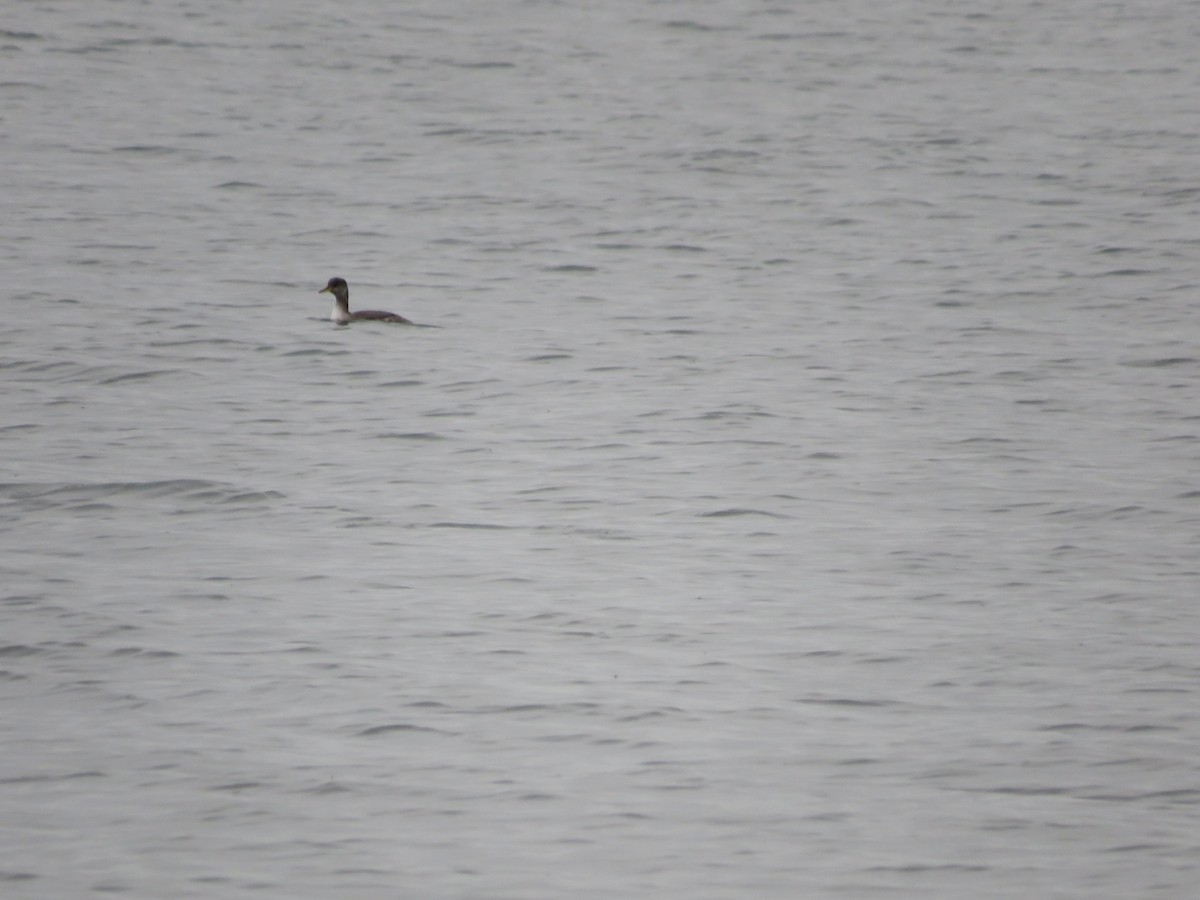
<point x="341" y="307"/>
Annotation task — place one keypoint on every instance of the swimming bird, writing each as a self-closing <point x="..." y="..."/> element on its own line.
<point x="341" y="310"/>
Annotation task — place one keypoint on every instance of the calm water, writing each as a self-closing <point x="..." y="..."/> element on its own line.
<point x="798" y="498"/>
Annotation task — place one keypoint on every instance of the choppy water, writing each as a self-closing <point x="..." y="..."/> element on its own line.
<point x="798" y="498"/>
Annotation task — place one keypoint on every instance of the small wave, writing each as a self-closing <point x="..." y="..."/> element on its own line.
<point x="483" y="64"/>
<point x="920" y="867"/>
<point x="1096" y="512"/>
<point x="739" y="511"/>
<point x="150" y="149"/>
<point x="19" y="650"/>
<point x="329" y="787"/>
<point x="77" y="496"/>
<point x="411" y="436"/>
<point x="35" y="779"/>
<point x="481" y="526"/>
<point x="571" y="267"/>
<point x="195" y="342"/>
<point x="400" y="726"/>
<point x="143" y="652"/>
<point x="843" y="701"/>
<point x="1160" y="362"/>
<point x="317" y="351"/>
<point x="137" y="376"/>
<point x="237" y="786"/>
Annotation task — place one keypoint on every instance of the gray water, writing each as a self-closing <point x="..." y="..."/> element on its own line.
<point x="798" y="496"/>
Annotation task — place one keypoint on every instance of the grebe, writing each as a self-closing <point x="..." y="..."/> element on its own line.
<point x="341" y="310"/>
